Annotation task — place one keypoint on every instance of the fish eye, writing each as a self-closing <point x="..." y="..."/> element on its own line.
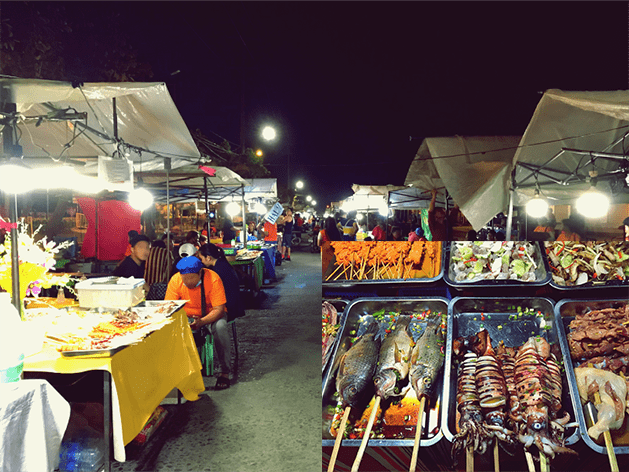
<point x="427" y="380"/>
<point x="538" y="426"/>
<point x="352" y="389"/>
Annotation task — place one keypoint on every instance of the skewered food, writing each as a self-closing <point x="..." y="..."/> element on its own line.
<point x="499" y="260"/>
<point x="394" y="360"/>
<point x="427" y="358"/>
<point x="357" y="367"/>
<point x="613" y="394"/>
<point x="575" y="263"/>
<point x="373" y="260"/>
<point x="330" y="326"/>
<point x="538" y="382"/>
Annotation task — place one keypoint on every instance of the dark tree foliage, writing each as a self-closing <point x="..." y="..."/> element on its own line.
<point x="68" y="41"/>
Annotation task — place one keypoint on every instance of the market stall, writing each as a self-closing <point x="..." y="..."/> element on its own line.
<point x="514" y="293"/>
<point x="137" y="376"/>
<point x="473" y="169"/>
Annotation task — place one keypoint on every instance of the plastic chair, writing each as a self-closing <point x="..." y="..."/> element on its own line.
<point x="207" y="351"/>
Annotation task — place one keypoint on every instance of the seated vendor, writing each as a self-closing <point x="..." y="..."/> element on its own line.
<point x="133" y="265"/>
<point x="205" y="293"/>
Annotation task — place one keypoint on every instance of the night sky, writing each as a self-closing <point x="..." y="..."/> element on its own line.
<point x="346" y="84"/>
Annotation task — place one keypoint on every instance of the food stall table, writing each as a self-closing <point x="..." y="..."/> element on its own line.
<point x="34" y="417"/>
<point x="136" y="378"/>
<point x="253" y="269"/>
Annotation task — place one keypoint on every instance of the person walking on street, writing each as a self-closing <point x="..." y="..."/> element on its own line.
<point x="288" y="234"/>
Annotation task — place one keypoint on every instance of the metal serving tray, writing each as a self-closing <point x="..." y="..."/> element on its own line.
<point x="565" y="312"/>
<point x="366" y="306"/>
<point x="93" y="352"/>
<point x="387" y="282"/>
<point x="587" y="286"/>
<point x="542" y="273"/>
<point x="340" y="308"/>
<point x="465" y="315"/>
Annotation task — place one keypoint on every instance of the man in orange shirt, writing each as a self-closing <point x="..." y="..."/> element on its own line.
<point x="206" y="294"/>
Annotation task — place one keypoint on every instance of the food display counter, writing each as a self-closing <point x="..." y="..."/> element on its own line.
<point x="508" y="296"/>
<point x="136" y="378"/>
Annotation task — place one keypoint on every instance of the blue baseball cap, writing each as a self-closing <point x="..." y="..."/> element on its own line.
<point x="189" y="265"/>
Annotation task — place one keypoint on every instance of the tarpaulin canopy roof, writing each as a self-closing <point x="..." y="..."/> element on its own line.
<point x="187" y="184"/>
<point x="59" y="121"/>
<point x="570" y="135"/>
<point x="394" y="196"/>
<point x="475" y="170"/>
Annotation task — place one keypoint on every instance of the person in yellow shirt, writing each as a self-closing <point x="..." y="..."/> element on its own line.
<point x="206" y="294"/>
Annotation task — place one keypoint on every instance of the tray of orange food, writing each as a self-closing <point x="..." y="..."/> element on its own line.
<point x="351" y="263"/>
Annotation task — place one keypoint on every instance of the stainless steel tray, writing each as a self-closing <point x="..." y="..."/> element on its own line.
<point x="353" y="312"/>
<point x="387" y="282"/>
<point x="465" y="316"/>
<point x="587" y="286"/>
<point x="93" y="352"/>
<point x="542" y="273"/>
<point x="340" y="306"/>
<point x="565" y="312"/>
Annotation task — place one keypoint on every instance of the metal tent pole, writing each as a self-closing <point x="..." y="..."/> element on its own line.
<point x="510" y="213"/>
<point x="15" y="260"/>
<point x="244" y="213"/>
<point x="207" y="208"/>
<point x="167" y="168"/>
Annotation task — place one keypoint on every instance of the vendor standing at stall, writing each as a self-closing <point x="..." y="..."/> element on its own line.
<point x="133" y="264"/>
<point x="437" y="220"/>
<point x="229" y="231"/>
<point x="205" y="293"/>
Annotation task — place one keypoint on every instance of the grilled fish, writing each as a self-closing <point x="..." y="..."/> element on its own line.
<point x="357" y="367"/>
<point x="427" y="359"/>
<point x="394" y="360"/>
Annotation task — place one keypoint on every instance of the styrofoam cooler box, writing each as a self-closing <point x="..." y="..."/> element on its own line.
<point x="110" y="292"/>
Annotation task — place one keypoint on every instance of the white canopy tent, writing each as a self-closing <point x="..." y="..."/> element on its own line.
<point x="61" y="122"/>
<point x="473" y="169"/>
<point x="570" y="136"/>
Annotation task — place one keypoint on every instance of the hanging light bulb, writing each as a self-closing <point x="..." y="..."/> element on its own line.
<point x="593" y="204"/>
<point x="140" y="199"/>
<point x="537" y="206"/>
<point x="232" y="208"/>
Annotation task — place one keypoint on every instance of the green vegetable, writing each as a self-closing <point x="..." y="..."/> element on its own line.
<point x="567" y="260"/>
<point x="478" y="267"/>
<point x="466" y="252"/>
<point x="505" y="258"/>
<point x="471" y="275"/>
<point x="622" y="256"/>
<point x="518" y="268"/>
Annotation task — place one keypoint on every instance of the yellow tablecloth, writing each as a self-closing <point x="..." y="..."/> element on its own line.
<point x="142" y="374"/>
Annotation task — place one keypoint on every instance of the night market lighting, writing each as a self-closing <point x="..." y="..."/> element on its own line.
<point x="140" y="199"/>
<point x="593" y="204"/>
<point x="232" y="208"/>
<point x="299" y="185"/>
<point x="259" y="208"/>
<point x="268" y="133"/>
<point x="537" y="206"/>
<point x="259" y="153"/>
<point x="308" y="198"/>
<point x="314" y="202"/>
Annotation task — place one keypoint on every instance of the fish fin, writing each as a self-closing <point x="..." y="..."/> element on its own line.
<point x="342" y="364"/>
<point x="414" y="356"/>
<point x="398" y="353"/>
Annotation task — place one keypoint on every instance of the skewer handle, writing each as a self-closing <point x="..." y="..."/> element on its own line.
<point x="418" y="434"/>
<point x="339" y="438"/>
<point x="544" y="466"/>
<point x="529" y="461"/>
<point x="496" y="457"/>
<point x="363" y="445"/>
<point x="469" y="460"/>
<point x="609" y="445"/>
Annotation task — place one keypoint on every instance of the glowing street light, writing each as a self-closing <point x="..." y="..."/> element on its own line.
<point x="140" y="199"/>
<point x="259" y="153"/>
<point x="308" y="198"/>
<point x="314" y="203"/>
<point x="537" y="206"/>
<point x="268" y="133"/>
<point x="232" y="209"/>
<point x="299" y="184"/>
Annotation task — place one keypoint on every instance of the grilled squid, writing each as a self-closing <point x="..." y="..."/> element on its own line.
<point x="538" y="384"/>
<point x="471" y="431"/>
<point x="493" y="395"/>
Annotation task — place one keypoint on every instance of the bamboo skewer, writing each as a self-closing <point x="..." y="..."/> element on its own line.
<point x="339" y="438"/>
<point x="496" y="457"/>
<point x="334" y="272"/>
<point x="529" y="461"/>
<point x="418" y="434"/>
<point x="544" y="466"/>
<point x="611" y="455"/>
<point x="469" y="459"/>
<point x="344" y="270"/>
<point x="363" y="444"/>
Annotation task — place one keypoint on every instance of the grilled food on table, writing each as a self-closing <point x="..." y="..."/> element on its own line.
<point x="377" y="260"/>
<point x="329" y="328"/>
<point x="507" y="394"/>
<point x="614" y="396"/>
<point x="576" y="263"/>
<point x="394" y="358"/>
